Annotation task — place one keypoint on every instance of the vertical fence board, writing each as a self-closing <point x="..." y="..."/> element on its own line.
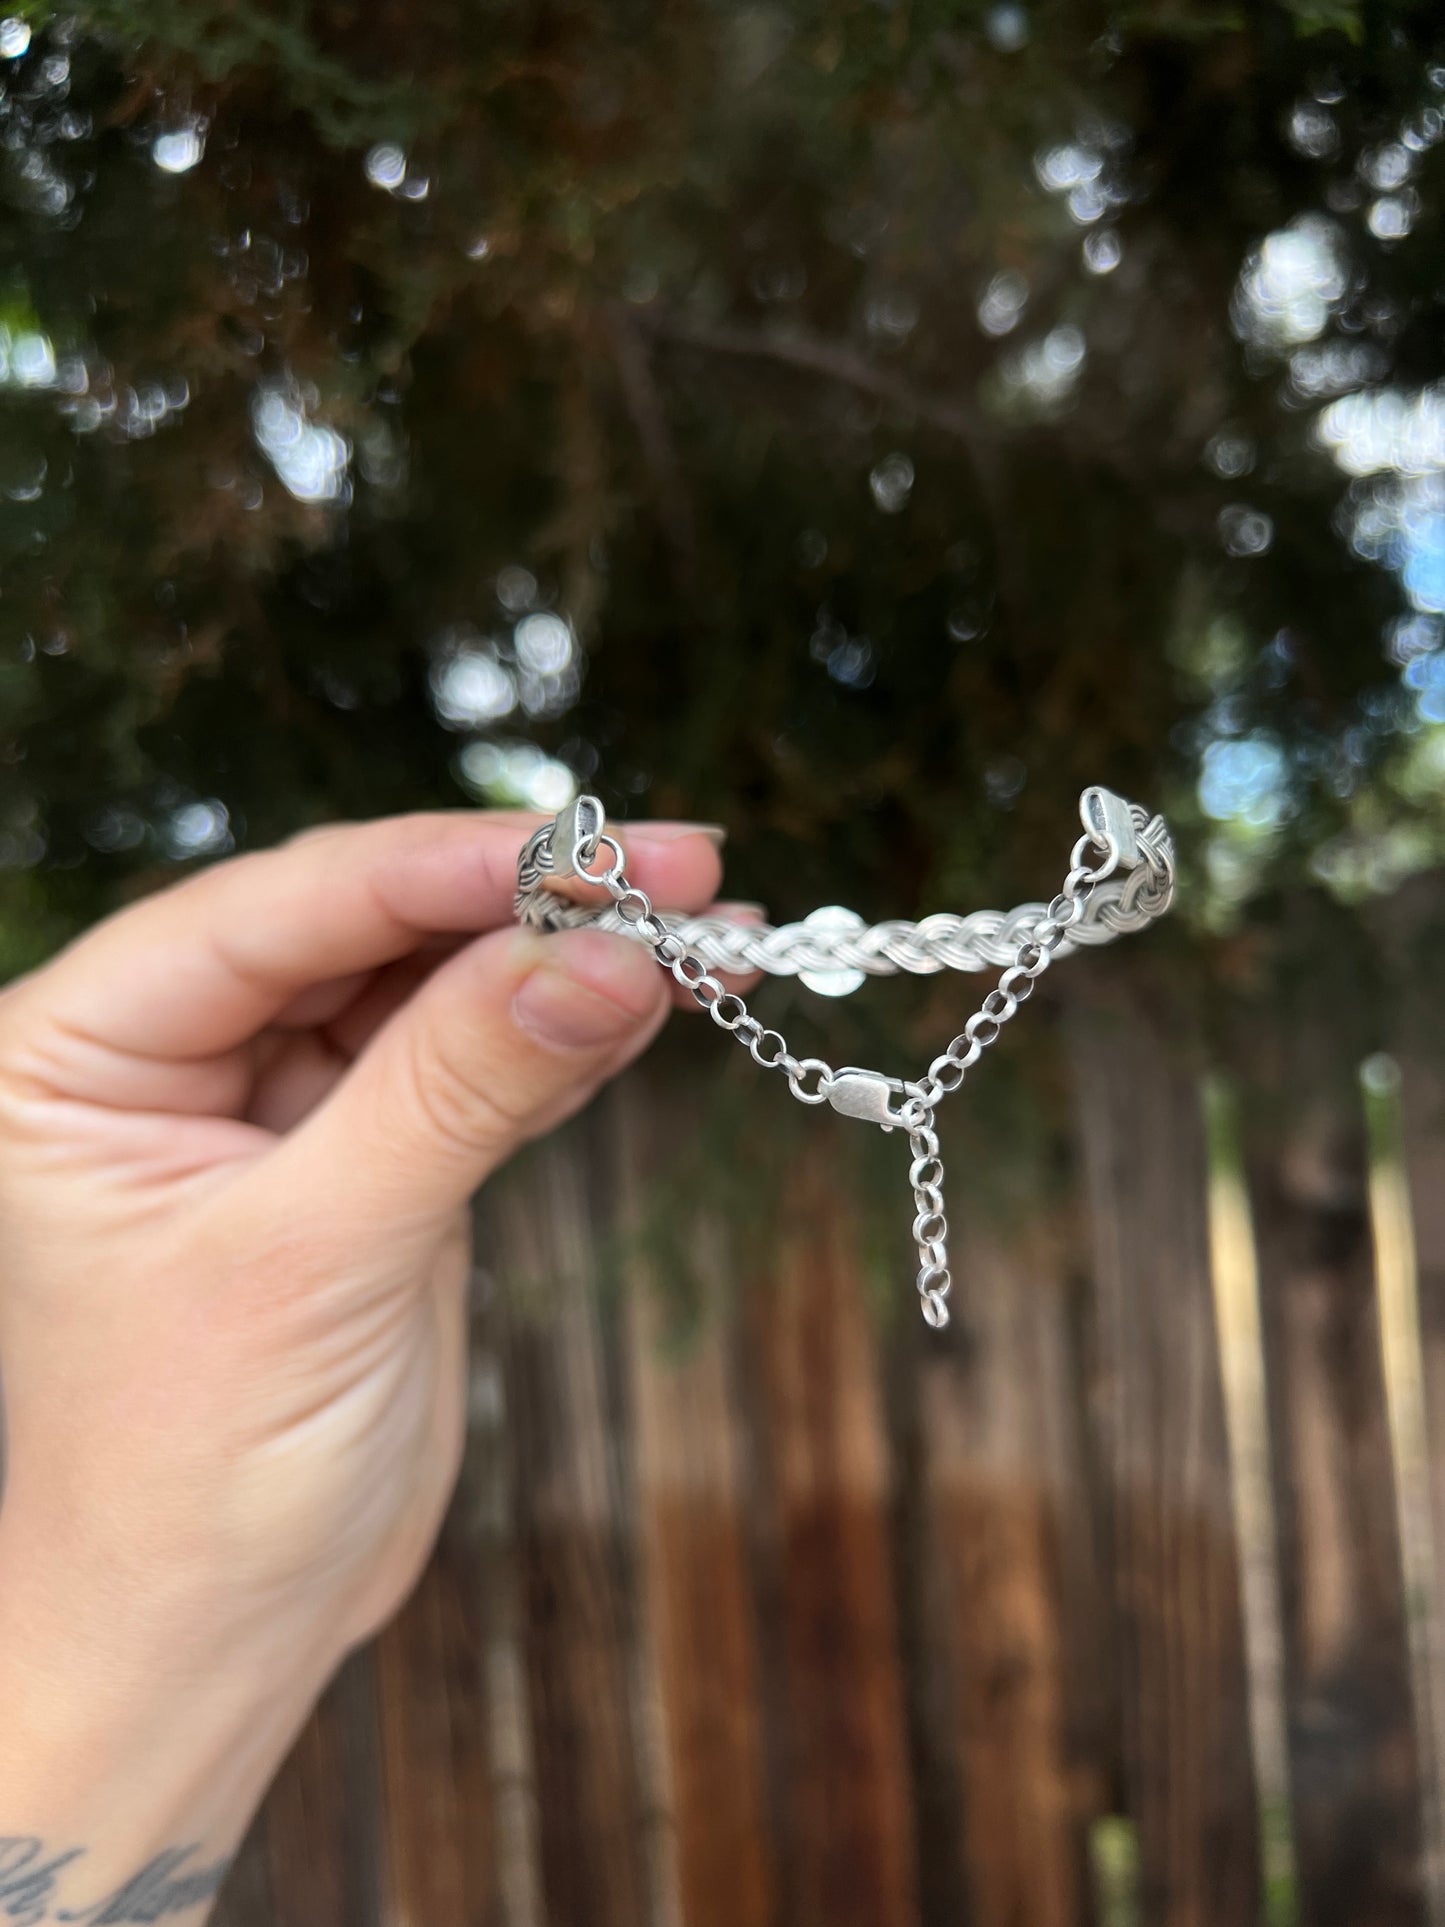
<point x="323" y="1816"/>
<point x="440" y="1844"/>
<point x="1423" y="1121"/>
<point x="1423" y="1087"/>
<point x="571" y="1564"/>
<point x="700" y="1608"/>
<point x="691" y="1504"/>
<point x="847" y="1853"/>
<point x="488" y="1496"/>
<point x="994" y="1406"/>
<point x="1159" y="1414"/>
<point x="926" y="1643"/>
<point x="246" y="1897"/>
<point x="1353" y="1761"/>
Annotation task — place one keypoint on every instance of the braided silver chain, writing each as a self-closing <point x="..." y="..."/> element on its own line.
<point x="1130" y="885"/>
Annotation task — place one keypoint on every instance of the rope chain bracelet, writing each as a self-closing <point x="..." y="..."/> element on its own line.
<point x="1128" y="886"/>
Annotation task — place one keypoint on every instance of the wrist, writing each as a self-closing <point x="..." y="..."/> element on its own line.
<point x="128" y="1606"/>
<point x="128" y="1769"/>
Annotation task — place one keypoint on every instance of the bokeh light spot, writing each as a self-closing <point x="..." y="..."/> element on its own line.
<point x="1007" y="28"/>
<point x="310" y="459"/>
<point x="1002" y="302"/>
<point x="385" y="166"/>
<point x="201" y="828"/>
<point x="1243" y="779"/>
<point x="1291" y="284"/>
<point x="179" y="149"/>
<point x="471" y="688"/>
<point x="1103" y="251"/>
<point x="517" y="775"/>
<point x="891" y="483"/>
<point x="1245" y="531"/>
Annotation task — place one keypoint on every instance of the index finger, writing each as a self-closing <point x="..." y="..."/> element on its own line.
<point x="201" y="967"/>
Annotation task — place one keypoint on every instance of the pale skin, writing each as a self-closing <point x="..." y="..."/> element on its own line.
<point x="240" y="1126"/>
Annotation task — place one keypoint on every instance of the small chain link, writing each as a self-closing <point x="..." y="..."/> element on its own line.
<point x="726" y="1008"/>
<point x="947" y="1072"/>
<point x="1014" y="988"/>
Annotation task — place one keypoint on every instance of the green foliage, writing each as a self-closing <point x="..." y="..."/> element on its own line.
<point x="1329" y="16"/>
<point x="658" y="302"/>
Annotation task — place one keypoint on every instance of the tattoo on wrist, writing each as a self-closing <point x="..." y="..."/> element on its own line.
<point x="170" y="1884"/>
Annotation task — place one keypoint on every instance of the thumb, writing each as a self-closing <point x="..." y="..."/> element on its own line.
<point x="504" y="1040"/>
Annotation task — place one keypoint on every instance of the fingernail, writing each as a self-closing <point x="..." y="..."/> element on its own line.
<point x="591" y="989"/>
<point x="673" y="832"/>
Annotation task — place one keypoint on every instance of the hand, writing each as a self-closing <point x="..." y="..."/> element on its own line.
<point x="240" y="1124"/>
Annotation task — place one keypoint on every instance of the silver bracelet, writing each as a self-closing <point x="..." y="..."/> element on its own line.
<point x="1129" y="885"/>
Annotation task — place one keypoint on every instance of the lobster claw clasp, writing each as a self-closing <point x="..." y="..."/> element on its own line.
<point x="1110" y="825"/>
<point x="870" y="1095"/>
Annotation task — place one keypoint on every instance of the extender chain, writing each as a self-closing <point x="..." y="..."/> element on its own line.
<point x="1133" y="846"/>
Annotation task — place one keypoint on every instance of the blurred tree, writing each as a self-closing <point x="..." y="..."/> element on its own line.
<point x="862" y="423"/>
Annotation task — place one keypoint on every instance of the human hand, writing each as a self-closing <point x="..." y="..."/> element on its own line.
<point x="240" y="1123"/>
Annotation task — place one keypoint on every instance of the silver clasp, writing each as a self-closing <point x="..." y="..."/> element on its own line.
<point x="870" y="1095"/>
<point x="1110" y="825"/>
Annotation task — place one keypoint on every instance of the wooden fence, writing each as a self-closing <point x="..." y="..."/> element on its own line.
<point x="1116" y="1604"/>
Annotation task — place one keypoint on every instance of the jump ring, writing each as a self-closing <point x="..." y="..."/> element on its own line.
<point x="614" y="869"/>
<point x="1017" y="983"/>
<point x="759" y="1044"/>
<point x="935" y="1278"/>
<point x="824" y="1073"/>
